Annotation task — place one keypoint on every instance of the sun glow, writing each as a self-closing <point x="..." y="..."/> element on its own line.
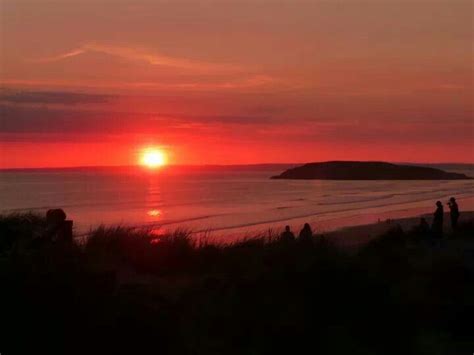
<point x="153" y="158"/>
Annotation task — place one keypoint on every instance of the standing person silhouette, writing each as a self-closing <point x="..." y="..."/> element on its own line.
<point x="306" y="234"/>
<point x="287" y="235"/>
<point x="437" y="226"/>
<point x="454" y="212"/>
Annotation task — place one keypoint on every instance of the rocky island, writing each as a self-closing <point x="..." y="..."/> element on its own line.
<point x="358" y="170"/>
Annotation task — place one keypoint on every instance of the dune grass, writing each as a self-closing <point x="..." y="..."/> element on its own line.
<point x="127" y="290"/>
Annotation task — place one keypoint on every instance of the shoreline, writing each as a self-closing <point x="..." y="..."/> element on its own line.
<point x="338" y="223"/>
<point x="351" y="236"/>
<point x="347" y="230"/>
<point x="347" y="237"/>
<point x="359" y="235"/>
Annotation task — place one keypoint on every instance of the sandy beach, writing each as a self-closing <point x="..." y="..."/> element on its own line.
<point x="347" y="230"/>
<point x="356" y="236"/>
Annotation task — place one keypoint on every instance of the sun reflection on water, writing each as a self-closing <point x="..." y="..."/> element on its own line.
<point x="154" y="213"/>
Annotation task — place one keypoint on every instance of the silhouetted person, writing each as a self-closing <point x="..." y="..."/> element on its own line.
<point x="55" y="216"/>
<point x="306" y="233"/>
<point x="437" y="226"/>
<point x="454" y="212"/>
<point x="287" y="235"/>
<point x="57" y="227"/>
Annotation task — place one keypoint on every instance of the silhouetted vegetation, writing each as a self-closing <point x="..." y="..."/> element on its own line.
<point x="129" y="291"/>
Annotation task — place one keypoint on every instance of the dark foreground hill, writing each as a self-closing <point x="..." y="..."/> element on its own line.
<point x="357" y="170"/>
<point x="123" y="291"/>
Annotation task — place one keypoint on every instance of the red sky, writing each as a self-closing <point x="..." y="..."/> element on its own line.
<point x="233" y="81"/>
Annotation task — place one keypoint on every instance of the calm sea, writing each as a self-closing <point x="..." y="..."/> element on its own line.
<point x="232" y="199"/>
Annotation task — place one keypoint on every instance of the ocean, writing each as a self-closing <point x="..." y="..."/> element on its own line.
<point x="221" y="200"/>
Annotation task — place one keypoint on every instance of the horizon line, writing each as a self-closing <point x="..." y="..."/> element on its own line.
<point x="219" y="165"/>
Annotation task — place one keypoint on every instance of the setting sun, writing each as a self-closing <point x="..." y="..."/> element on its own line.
<point x="153" y="158"/>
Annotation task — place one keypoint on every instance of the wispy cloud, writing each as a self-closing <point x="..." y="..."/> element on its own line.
<point x="140" y="55"/>
<point x="51" y="97"/>
<point x="257" y="81"/>
<point x="50" y="119"/>
<point x="62" y="56"/>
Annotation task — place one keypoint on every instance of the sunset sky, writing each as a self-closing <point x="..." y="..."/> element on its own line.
<point x="93" y="82"/>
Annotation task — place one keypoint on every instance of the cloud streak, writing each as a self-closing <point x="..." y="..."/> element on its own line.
<point x="140" y="55"/>
<point x="258" y="81"/>
<point x="44" y="119"/>
<point x="52" y="97"/>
